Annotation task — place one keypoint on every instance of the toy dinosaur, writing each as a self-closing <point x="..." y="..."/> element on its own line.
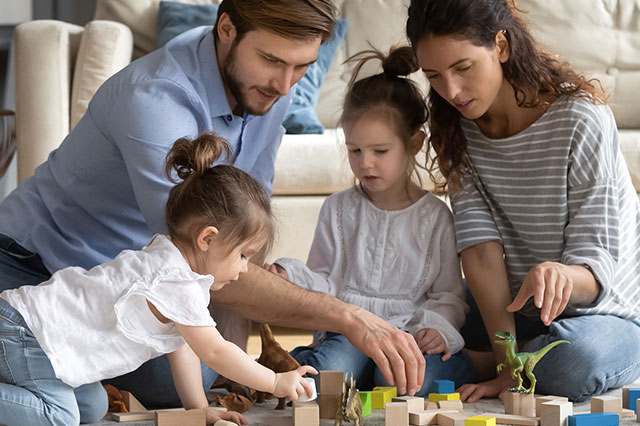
<point x="275" y="357"/>
<point x="350" y="408"/>
<point x="522" y="361"/>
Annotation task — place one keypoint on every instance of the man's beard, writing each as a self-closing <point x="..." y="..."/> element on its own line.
<point x="239" y="90"/>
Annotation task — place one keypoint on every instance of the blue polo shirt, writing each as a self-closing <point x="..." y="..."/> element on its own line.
<point x="104" y="189"/>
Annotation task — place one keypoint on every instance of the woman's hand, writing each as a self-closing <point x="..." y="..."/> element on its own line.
<point x="292" y="384"/>
<point x="550" y="284"/>
<point x="430" y="341"/>
<point x="274" y="268"/>
<point x="214" y="415"/>
<point x="472" y="392"/>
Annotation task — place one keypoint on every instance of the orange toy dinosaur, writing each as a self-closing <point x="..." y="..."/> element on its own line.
<point x="275" y="357"/>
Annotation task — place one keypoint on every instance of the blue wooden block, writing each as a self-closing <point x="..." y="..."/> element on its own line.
<point x="634" y="394"/>
<point x="444" y="386"/>
<point x="594" y="419"/>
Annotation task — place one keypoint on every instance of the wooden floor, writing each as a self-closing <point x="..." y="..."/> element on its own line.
<point x="289" y="338"/>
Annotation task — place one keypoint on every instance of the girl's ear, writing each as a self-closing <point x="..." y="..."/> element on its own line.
<point x="502" y="44"/>
<point x="206" y="237"/>
<point x="417" y="140"/>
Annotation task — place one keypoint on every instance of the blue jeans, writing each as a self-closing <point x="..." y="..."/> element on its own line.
<point x="604" y="352"/>
<point x="30" y="392"/>
<point x="151" y="383"/>
<point x="336" y="353"/>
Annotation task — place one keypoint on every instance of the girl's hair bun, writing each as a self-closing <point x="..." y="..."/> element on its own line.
<point x="400" y="62"/>
<point x="194" y="157"/>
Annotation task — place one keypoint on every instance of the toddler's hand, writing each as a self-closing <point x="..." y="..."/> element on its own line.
<point x="274" y="268"/>
<point x="292" y="383"/>
<point x="214" y="415"/>
<point x="430" y="341"/>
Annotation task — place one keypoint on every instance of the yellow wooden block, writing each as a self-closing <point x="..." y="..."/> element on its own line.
<point x="480" y="421"/>
<point x="380" y="397"/>
<point x="435" y="397"/>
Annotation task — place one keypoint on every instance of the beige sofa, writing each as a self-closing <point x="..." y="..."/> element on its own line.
<point x="59" y="66"/>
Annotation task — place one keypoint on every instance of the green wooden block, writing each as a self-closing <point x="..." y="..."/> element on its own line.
<point x="366" y="397"/>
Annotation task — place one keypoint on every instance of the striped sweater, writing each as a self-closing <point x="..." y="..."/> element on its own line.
<point x="558" y="191"/>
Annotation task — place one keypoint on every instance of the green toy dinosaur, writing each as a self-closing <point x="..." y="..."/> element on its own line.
<point x="523" y="361"/>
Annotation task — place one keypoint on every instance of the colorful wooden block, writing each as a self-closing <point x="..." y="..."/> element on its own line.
<point x="512" y="419"/>
<point x="519" y="403"/>
<point x="480" y="421"/>
<point x="442" y="386"/>
<point x="455" y="405"/>
<point x="331" y="382"/>
<point x="396" y="414"/>
<point x="415" y="403"/>
<point x="329" y="406"/>
<point x="594" y="419"/>
<point x="379" y="397"/>
<point x="555" y="413"/>
<point x="546" y="398"/>
<point x="365" y="398"/>
<point x="392" y="389"/>
<point x="437" y="397"/>
<point x="306" y="413"/>
<point x="634" y="394"/>
<point x="181" y="418"/>
<point x="606" y="404"/>
<point x="451" y="419"/>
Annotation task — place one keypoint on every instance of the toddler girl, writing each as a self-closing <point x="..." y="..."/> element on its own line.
<point x="58" y="339"/>
<point x="386" y="245"/>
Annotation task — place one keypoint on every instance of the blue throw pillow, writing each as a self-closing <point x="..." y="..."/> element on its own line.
<point x="176" y="18"/>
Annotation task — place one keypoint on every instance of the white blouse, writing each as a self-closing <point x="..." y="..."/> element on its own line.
<point x="401" y="265"/>
<point x="96" y="324"/>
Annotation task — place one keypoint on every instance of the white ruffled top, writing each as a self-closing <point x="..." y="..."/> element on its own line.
<point x="96" y="324"/>
<point x="401" y="265"/>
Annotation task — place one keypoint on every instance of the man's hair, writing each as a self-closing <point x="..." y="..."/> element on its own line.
<point x="291" y="19"/>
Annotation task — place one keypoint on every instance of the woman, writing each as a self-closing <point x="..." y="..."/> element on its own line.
<point x="546" y="218"/>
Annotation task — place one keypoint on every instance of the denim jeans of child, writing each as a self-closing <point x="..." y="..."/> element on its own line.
<point x="336" y="353"/>
<point x="30" y="392"/>
<point x="151" y="383"/>
<point x="604" y="352"/>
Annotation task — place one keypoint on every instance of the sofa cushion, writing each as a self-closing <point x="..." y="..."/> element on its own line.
<point x="175" y="18"/>
<point x="301" y="117"/>
<point x="105" y="49"/>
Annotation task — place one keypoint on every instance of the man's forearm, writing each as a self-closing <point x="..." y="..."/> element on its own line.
<point x="262" y="296"/>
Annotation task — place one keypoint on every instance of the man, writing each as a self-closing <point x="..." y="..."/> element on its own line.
<point x="103" y="189"/>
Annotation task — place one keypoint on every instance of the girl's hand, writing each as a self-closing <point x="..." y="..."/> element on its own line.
<point x="214" y="415"/>
<point x="550" y="284"/>
<point x="472" y="392"/>
<point x="274" y="268"/>
<point x="430" y="341"/>
<point x="292" y="383"/>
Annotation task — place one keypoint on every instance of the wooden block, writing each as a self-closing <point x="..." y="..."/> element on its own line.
<point x="606" y="404"/>
<point x="436" y="397"/>
<point x="427" y="417"/>
<point x="519" y="403"/>
<point x="396" y="414"/>
<point x="225" y="423"/>
<point x="132" y="404"/>
<point x="306" y="413"/>
<point x="594" y="419"/>
<point x="380" y="397"/>
<point x="365" y="398"/>
<point x="546" y="398"/>
<point x="329" y="406"/>
<point x="451" y="419"/>
<point x="331" y="382"/>
<point x="625" y="396"/>
<point x="393" y="391"/>
<point x="512" y="419"/>
<point x="428" y="405"/>
<point x="181" y="418"/>
<point x="638" y="412"/>
<point x="415" y="403"/>
<point x="480" y="421"/>
<point x="634" y="395"/>
<point x="555" y="413"/>
<point x="133" y="417"/>
<point x="455" y="405"/>
<point x="442" y="386"/>
<point x="626" y="413"/>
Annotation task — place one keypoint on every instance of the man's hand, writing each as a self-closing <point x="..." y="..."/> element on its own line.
<point x="430" y="341"/>
<point x="550" y="284"/>
<point x="214" y="415"/>
<point x="274" y="268"/>
<point x="472" y="392"/>
<point x="395" y="352"/>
